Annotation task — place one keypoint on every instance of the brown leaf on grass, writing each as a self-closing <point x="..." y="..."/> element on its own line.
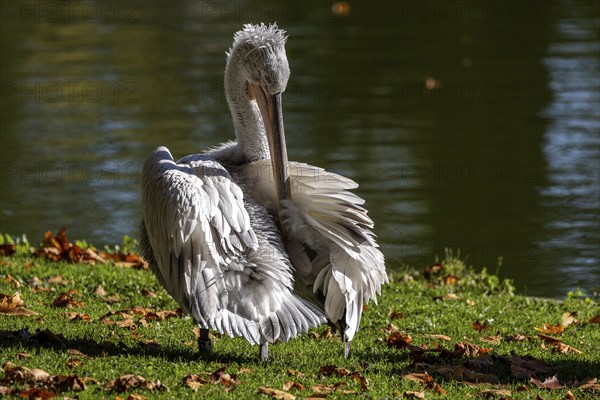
<point x="398" y="340"/>
<point x="569" y="396"/>
<point x="276" y="393"/>
<point x="99" y="291"/>
<point x="18" y="374"/>
<point x="550" y="329"/>
<point x="7" y="249"/>
<point x="518" y="338"/>
<point x="492" y="393"/>
<point x="22" y="355"/>
<point x="136" y="397"/>
<point x="595" y="319"/>
<point x="14" y="305"/>
<point x="293" y="372"/>
<point x="67" y="299"/>
<point x="218" y="377"/>
<point x="362" y="380"/>
<point x="34" y="393"/>
<point x="59" y="248"/>
<point x="417" y="377"/>
<point x="414" y="394"/>
<point x="450" y="280"/>
<point x="589" y="384"/>
<point x="287" y="386"/>
<point x="495" y="339"/>
<point x="432" y="270"/>
<point x="149" y="293"/>
<point x="57" y="280"/>
<point x="558" y="345"/>
<point x="470" y="349"/>
<point x="194" y="381"/>
<point x="128" y="260"/>
<point x="330" y="370"/>
<point x="64" y="383"/>
<point x="478" y="326"/>
<point x="392" y="314"/>
<point x="322" y="390"/>
<point x="127" y="382"/>
<point x="525" y="367"/>
<point x="566" y="349"/>
<point x="75" y="316"/>
<point x="549" y="383"/>
<point x="10" y="279"/>
<point x="438" y="337"/>
<point x="568" y="319"/>
<point x="447" y="297"/>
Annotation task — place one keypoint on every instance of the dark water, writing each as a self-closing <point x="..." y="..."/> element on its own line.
<point x="470" y="126"/>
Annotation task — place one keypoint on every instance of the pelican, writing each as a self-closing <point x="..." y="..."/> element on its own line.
<point x="246" y="242"/>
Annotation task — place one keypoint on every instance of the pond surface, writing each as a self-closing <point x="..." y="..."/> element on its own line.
<point x="472" y="128"/>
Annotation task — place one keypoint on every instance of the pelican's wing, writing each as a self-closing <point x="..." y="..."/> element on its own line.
<point x="329" y="240"/>
<point x="205" y="252"/>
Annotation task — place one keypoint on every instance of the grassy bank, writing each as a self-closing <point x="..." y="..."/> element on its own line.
<point x="81" y="329"/>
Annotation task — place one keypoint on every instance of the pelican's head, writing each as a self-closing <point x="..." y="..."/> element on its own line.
<point x="258" y="58"/>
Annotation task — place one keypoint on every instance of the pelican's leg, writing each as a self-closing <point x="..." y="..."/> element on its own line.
<point x="204" y="343"/>
<point x="346" y="346"/>
<point x="264" y="352"/>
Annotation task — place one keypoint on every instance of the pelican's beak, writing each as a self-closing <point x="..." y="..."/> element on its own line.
<point x="272" y="115"/>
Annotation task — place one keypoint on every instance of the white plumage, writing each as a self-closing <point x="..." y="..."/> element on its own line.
<point x="246" y="242"/>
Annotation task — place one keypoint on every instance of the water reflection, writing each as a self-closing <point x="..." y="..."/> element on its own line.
<point x="467" y="129"/>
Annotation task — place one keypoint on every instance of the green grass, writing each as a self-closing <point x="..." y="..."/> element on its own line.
<point x="112" y="351"/>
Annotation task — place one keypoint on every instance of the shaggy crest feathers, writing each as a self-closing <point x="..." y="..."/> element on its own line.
<point x="267" y="36"/>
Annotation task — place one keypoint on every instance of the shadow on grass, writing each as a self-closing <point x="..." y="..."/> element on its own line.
<point x="498" y="369"/>
<point x="91" y="348"/>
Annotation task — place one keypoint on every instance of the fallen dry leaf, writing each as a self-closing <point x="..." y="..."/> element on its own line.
<point x="491" y="393"/>
<point x="287" y="386"/>
<point x="67" y="299"/>
<point x="194" y="381"/>
<point x="525" y="367"/>
<point x="148" y="293"/>
<point x="34" y="393"/>
<point x="589" y="384"/>
<point x="127" y="382"/>
<point x="7" y="249"/>
<point x="322" y="390"/>
<point x="566" y="349"/>
<point x="10" y="279"/>
<point x="57" y="280"/>
<point x="550" y="329"/>
<point x="398" y="340"/>
<point x="276" y="393"/>
<point x="568" y="319"/>
<point x="293" y="372"/>
<point x="478" y="326"/>
<point x="569" y="396"/>
<point x="470" y="349"/>
<point x="414" y="395"/>
<point x="594" y="320"/>
<point x="438" y="337"/>
<point x="14" y="305"/>
<point x="549" y="383"/>
<point x="495" y="339"/>
<point x="75" y="316"/>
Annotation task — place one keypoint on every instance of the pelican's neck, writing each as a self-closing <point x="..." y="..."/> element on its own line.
<point x="247" y="121"/>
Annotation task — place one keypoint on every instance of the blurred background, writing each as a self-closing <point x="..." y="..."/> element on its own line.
<point x="470" y="126"/>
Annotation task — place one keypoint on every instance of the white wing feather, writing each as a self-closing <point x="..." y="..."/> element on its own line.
<point x="198" y="235"/>
<point x="328" y="238"/>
